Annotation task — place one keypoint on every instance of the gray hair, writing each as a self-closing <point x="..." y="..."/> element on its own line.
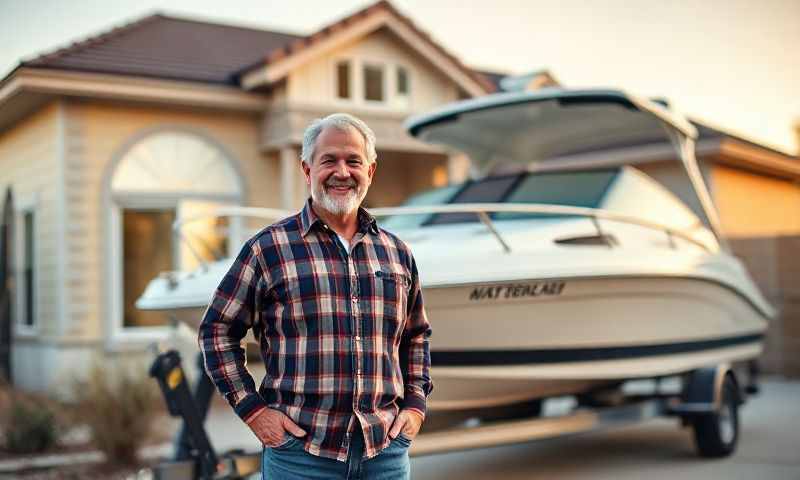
<point x="340" y="121"/>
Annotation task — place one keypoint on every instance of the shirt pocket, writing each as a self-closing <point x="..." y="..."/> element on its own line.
<point x="288" y="307"/>
<point x="392" y="288"/>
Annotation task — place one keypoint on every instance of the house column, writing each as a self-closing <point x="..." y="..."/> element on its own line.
<point x="293" y="190"/>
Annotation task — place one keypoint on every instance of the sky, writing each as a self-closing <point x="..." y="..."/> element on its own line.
<point x="734" y="64"/>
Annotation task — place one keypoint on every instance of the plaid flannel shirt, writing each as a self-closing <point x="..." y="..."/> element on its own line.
<point x="343" y="335"/>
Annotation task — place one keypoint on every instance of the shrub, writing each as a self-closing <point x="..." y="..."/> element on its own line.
<point x="119" y="405"/>
<point x="30" y="428"/>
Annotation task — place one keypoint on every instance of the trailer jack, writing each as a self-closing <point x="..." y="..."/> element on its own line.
<point x="194" y="456"/>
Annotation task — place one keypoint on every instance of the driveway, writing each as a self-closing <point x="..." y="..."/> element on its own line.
<point x="769" y="448"/>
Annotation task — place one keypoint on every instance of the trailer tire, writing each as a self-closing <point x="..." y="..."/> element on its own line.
<point x="716" y="434"/>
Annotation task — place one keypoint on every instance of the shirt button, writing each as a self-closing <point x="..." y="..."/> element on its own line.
<point x="358" y="339"/>
<point x="355" y="299"/>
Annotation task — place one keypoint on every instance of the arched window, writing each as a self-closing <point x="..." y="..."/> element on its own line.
<point x="178" y="163"/>
<point x="157" y="179"/>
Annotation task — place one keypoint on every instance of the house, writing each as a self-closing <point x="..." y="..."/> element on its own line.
<point x="105" y="143"/>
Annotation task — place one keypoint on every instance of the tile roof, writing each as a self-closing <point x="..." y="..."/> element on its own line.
<point x="337" y="26"/>
<point x="161" y="46"/>
<point x="493" y="78"/>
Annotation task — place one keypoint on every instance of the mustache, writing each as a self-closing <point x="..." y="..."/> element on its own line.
<point x="347" y="183"/>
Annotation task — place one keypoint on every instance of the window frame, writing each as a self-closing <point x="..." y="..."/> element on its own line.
<point x="120" y="333"/>
<point x="397" y="70"/>
<point x="402" y="101"/>
<point x="391" y="99"/>
<point x="119" y="338"/>
<point x="350" y="81"/>
<point x="385" y="87"/>
<point x="22" y="208"/>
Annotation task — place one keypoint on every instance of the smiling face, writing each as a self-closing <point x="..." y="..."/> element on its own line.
<point x="339" y="174"/>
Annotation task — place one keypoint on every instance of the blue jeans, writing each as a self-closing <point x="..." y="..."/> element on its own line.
<point x="290" y="462"/>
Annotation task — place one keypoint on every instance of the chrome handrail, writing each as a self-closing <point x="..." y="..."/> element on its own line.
<point x="482" y="209"/>
<point x="254" y="212"/>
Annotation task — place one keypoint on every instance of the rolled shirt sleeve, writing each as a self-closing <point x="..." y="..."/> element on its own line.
<point x="229" y="315"/>
<point x="415" y="354"/>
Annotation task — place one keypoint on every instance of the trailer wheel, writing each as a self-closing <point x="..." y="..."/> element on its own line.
<point x="717" y="433"/>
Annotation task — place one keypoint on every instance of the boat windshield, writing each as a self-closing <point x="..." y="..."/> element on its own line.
<point x="438" y="196"/>
<point x="575" y="188"/>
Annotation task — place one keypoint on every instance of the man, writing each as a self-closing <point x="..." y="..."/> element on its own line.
<point x="336" y="305"/>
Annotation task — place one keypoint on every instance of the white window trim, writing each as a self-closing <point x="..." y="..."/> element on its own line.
<point x="387" y="92"/>
<point x="118" y="337"/>
<point x="335" y="89"/>
<point x="121" y="336"/>
<point x="29" y="204"/>
<point x="357" y="97"/>
<point x="344" y="102"/>
<point x="409" y="96"/>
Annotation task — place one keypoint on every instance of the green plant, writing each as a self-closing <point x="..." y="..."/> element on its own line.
<point x="119" y="405"/>
<point x="30" y="428"/>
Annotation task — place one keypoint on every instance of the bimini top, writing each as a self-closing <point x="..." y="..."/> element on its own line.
<point x="534" y="127"/>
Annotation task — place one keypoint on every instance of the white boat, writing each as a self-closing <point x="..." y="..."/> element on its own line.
<point x="553" y="279"/>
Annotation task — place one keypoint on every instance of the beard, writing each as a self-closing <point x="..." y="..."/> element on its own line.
<point x="338" y="205"/>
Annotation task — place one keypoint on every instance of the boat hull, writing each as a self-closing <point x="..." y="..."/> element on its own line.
<point x="497" y="344"/>
<point x="501" y="343"/>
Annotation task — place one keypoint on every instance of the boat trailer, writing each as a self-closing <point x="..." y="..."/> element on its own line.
<point x="708" y="401"/>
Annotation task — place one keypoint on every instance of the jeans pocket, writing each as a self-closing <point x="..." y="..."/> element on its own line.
<point x="403" y="439"/>
<point x="287" y="443"/>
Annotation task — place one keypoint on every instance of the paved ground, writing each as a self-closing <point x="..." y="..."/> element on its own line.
<point x="769" y="449"/>
<point x="657" y="449"/>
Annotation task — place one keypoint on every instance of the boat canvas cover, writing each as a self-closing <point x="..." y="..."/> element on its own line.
<point x="537" y="127"/>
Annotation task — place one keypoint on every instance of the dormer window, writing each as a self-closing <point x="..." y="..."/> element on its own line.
<point x="373" y="83"/>
<point x="343" y="80"/>
<point x="402" y="82"/>
<point x="402" y="97"/>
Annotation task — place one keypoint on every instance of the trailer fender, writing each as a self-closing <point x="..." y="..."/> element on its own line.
<point x="702" y="392"/>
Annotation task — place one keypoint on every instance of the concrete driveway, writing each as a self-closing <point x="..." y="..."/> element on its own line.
<point x="769" y="448"/>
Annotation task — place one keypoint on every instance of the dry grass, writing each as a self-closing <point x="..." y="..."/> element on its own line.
<point x="119" y="405"/>
<point x="29" y="422"/>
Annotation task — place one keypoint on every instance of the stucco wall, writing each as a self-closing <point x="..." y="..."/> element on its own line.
<point x="29" y="163"/>
<point x="314" y="82"/>
<point x="400" y="175"/>
<point x="98" y="133"/>
<point x="756" y="205"/>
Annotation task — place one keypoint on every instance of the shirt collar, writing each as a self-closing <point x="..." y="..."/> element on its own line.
<point x="366" y="222"/>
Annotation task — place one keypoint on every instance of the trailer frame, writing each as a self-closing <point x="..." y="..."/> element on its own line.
<point x="698" y="403"/>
